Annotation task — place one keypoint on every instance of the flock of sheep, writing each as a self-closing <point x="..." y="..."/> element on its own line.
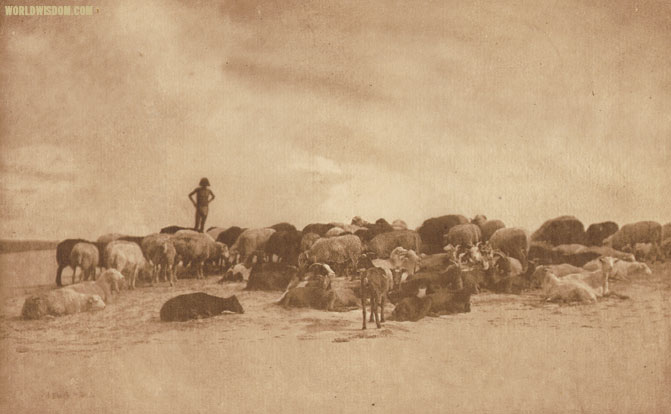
<point x="431" y="270"/>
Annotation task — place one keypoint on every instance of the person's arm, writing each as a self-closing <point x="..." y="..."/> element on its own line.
<point x="212" y="194"/>
<point x="191" y="195"/>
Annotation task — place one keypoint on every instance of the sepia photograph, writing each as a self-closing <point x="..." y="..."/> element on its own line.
<point x="265" y="206"/>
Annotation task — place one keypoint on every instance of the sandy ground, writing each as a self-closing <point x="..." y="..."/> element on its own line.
<point x="510" y="354"/>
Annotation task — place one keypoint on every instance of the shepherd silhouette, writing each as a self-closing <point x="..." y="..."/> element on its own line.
<point x="203" y="198"/>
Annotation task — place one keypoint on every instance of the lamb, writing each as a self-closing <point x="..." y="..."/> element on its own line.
<point x="107" y="284"/>
<point x="58" y="302"/>
<point x="126" y="257"/>
<point x="86" y="256"/>
<point x="374" y="285"/>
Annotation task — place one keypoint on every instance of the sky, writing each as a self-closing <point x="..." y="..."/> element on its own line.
<point x="311" y="111"/>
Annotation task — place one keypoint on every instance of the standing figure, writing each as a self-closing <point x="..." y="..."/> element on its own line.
<point x="201" y="202"/>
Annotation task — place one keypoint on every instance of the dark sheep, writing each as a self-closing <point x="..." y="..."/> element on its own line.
<point x="411" y="309"/>
<point x="433" y="230"/>
<point x="174" y="229"/>
<point x="283" y="227"/>
<point x="561" y="230"/>
<point x="597" y="232"/>
<point x="198" y="305"/>
<point x="286" y="244"/>
<point x="63" y="251"/>
<point x="319" y="228"/>
<point x="448" y="302"/>
<point x="270" y="276"/>
<point x="230" y="235"/>
<point x="309" y="297"/>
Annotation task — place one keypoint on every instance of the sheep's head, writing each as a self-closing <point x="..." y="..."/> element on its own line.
<point x="95" y="302"/>
<point x="479" y="220"/>
<point x="234" y="305"/>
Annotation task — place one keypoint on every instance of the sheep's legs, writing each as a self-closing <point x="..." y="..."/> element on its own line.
<point x="74" y="274"/>
<point x="363" y="302"/>
<point x="59" y="272"/>
<point x="374" y="311"/>
<point x="382" y="308"/>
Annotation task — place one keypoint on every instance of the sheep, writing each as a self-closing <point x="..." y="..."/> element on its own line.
<point x="286" y="245"/>
<point x="230" y="235"/>
<point x="558" y="270"/>
<point x="174" y="229"/>
<point x="433" y="230"/>
<point x="160" y="251"/>
<point x="63" y="251"/>
<point x="309" y="296"/>
<point x="411" y="309"/>
<point x="126" y="257"/>
<point x="487" y="227"/>
<point x="238" y="273"/>
<point x="621" y="268"/>
<point x="198" y="305"/>
<point x="214" y="232"/>
<point x="283" y="227"/>
<point x="250" y="241"/>
<point x="86" y="256"/>
<point x="560" y="230"/>
<point x="448" y="302"/>
<point x="383" y="244"/>
<point x="399" y="224"/>
<point x="513" y="242"/>
<point x="374" y="285"/>
<point x="646" y="252"/>
<point x="318" y="228"/>
<point x="109" y="237"/>
<point x="308" y="240"/>
<point x="341" y="250"/>
<point x="335" y="231"/>
<point x="597" y="232"/>
<point x="464" y="235"/>
<point x="639" y="232"/>
<point x="270" y="276"/>
<point x="316" y="275"/>
<point x="598" y="279"/>
<point x="58" y="302"/>
<point x="569" y="290"/>
<point x="404" y="263"/>
<point x="193" y="249"/>
<point x="107" y="284"/>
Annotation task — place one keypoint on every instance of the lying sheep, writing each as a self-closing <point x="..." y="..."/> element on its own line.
<point x="107" y="284"/>
<point x="598" y="280"/>
<point x="198" y="305"/>
<point x="86" y="256"/>
<point x="558" y="270"/>
<point x="569" y="290"/>
<point x="411" y="309"/>
<point x="621" y="269"/>
<point x="59" y="302"/>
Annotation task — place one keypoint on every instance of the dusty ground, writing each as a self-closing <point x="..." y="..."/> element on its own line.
<point x="510" y="354"/>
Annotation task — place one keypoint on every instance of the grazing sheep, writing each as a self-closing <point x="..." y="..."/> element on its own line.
<point x="283" y="227"/>
<point x="341" y="251"/>
<point x="596" y="233"/>
<point x="399" y="224"/>
<point x="374" y="285"/>
<point x="630" y="234"/>
<point x="107" y="284"/>
<point x="230" y="235"/>
<point x="464" y="235"/>
<point x="198" y="305"/>
<point x="193" y="249"/>
<point x="560" y="230"/>
<point x="250" y="241"/>
<point x="214" y="232"/>
<point x="487" y="227"/>
<point x="318" y="228"/>
<point x="512" y="241"/>
<point x="286" y="245"/>
<point x="174" y="229"/>
<point x="433" y="231"/>
<point x="126" y="257"/>
<point x="383" y="244"/>
<point x="59" y="302"/>
<point x="63" y="251"/>
<point x="308" y="240"/>
<point x="160" y="251"/>
<point x="86" y="256"/>
<point x="335" y="231"/>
